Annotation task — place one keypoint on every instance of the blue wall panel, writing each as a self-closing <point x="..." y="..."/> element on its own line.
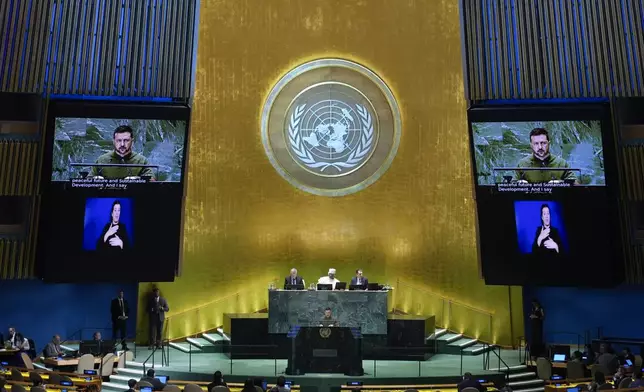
<point x="40" y="310"/>
<point x="617" y="311"/>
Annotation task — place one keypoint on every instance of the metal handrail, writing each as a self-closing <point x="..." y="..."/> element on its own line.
<point x="486" y="364"/>
<point x="164" y="360"/>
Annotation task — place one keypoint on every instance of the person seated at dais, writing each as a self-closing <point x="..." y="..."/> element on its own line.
<point x="329" y="279"/>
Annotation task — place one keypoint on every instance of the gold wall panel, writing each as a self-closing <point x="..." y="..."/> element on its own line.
<point x="245" y="225"/>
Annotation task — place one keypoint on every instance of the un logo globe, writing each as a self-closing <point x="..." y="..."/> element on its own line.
<point x="331" y="127"/>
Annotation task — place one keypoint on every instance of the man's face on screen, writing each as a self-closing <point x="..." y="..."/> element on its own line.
<point x="545" y="216"/>
<point x="327" y="313"/>
<point x="123" y="143"/>
<point x="116" y="213"/>
<point x="540" y="146"/>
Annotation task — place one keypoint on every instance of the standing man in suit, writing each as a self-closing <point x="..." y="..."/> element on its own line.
<point x="120" y="312"/>
<point x="359" y="279"/>
<point x="157" y="308"/>
<point x="293" y="278"/>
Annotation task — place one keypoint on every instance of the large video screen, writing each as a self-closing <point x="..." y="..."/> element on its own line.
<point x="113" y="187"/>
<point x="117" y="153"/>
<point x="522" y="156"/>
<point x="546" y="206"/>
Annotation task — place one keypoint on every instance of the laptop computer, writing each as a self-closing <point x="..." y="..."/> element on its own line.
<point x="357" y="287"/>
<point x="163" y="378"/>
<point x="559" y="358"/>
<point x="373" y="286"/>
<point x="341" y="286"/>
<point x="294" y="287"/>
<point x="324" y="286"/>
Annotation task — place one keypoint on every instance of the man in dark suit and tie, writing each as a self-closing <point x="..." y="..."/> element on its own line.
<point x="120" y="313"/>
<point x="293" y="279"/>
<point x="157" y="308"/>
<point x="359" y="279"/>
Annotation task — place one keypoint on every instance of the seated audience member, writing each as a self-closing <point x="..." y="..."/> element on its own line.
<point x="637" y="380"/>
<point x="11" y="336"/>
<point x="608" y="359"/>
<point x="217" y="379"/>
<point x="259" y="382"/>
<point x="249" y="386"/>
<point x="53" y="349"/>
<point x="157" y="385"/>
<point x="599" y="383"/>
<point x="577" y="356"/>
<point x="97" y="337"/>
<point x="36" y="380"/>
<point x="470" y="382"/>
<point x="280" y="385"/>
<point x="21" y="343"/>
<point x="619" y="376"/>
<point x="626" y="354"/>
<point x="131" y="383"/>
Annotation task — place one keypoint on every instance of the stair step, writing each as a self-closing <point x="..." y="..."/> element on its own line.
<point x="185" y="347"/>
<point x="199" y="342"/>
<point x="437" y="333"/>
<point x="450" y="337"/>
<point x="480" y="348"/>
<point x="132" y="372"/>
<point x="214" y="338"/>
<point x="122" y="379"/>
<point x="139" y="365"/>
<point x="463" y="343"/>
<point x="515" y="368"/>
<point x="518" y="376"/>
<point x="526" y="383"/>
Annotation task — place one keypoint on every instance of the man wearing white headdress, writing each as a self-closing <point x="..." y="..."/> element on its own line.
<point x="329" y="279"/>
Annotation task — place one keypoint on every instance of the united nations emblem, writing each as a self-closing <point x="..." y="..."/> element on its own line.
<point x="325" y="332"/>
<point x="331" y="127"/>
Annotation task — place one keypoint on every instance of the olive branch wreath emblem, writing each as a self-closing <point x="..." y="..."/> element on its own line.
<point x="295" y="141"/>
